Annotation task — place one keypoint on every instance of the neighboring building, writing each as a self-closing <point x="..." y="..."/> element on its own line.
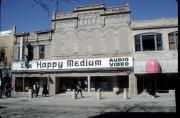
<point x="156" y="41"/>
<point x="6" y="53"/>
<point x="95" y="45"/>
<point x="39" y="49"/>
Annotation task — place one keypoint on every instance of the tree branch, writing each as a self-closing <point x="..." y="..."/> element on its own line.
<point x="42" y="4"/>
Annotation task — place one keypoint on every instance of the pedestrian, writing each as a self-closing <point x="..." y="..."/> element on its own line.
<point x="152" y="89"/>
<point x="79" y="88"/>
<point x="7" y="89"/>
<point x="36" y="88"/>
<point x="45" y="91"/>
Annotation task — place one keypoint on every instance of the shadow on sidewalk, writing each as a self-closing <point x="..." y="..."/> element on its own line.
<point x="137" y="115"/>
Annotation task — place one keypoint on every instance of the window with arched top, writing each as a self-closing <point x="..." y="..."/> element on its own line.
<point x="148" y="42"/>
<point x="173" y="40"/>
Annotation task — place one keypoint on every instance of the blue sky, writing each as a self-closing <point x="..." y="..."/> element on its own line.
<point x="29" y="17"/>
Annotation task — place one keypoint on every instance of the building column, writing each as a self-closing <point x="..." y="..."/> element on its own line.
<point x="89" y="83"/>
<point x="132" y="84"/>
<point x="52" y="85"/>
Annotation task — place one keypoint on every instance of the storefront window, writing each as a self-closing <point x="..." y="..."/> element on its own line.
<point x="148" y="42"/>
<point x="173" y="40"/>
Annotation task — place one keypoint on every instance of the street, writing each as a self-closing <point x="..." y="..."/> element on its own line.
<point x="63" y="106"/>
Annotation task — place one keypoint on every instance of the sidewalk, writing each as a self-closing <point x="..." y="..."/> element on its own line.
<point x="63" y="106"/>
<point x="90" y="99"/>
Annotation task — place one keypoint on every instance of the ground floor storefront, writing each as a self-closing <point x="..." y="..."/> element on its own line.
<point x="108" y="74"/>
<point x="114" y="82"/>
<point x="63" y="82"/>
<point x="163" y="82"/>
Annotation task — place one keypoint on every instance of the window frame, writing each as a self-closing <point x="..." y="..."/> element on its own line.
<point x="41" y="53"/>
<point x="175" y="40"/>
<point x="156" y="42"/>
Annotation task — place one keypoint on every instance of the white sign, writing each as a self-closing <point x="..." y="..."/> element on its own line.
<point x="112" y="62"/>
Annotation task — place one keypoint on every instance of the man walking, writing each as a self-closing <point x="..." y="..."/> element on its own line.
<point x="36" y="88"/>
<point x="7" y="89"/>
<point x="79" y="89"/>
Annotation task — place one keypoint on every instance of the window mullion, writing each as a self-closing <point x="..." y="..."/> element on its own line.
<point x="141" y="47"/>
<point x="174" y="37"/>
<point x="155" y="41"/>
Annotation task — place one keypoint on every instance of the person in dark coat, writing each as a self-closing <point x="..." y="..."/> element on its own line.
<point x="152" y="88"/>
<point x="45" y="91"/>
<point x="36" y="88"/>
<point x="7" y="89"/>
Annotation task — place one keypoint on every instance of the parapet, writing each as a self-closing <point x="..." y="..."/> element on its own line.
<point x="155" y="23"/>
<point x="103" y="11"/>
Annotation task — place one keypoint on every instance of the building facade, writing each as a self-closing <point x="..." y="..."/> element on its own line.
<point x="6" y="54"/>
<point x="93" y="44"/>
<point x="156" y="40"/>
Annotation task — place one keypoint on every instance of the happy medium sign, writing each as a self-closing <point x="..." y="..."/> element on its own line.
<point x="112" y="62"/>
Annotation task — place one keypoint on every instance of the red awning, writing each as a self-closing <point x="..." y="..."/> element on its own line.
<point x="153" y="66"/>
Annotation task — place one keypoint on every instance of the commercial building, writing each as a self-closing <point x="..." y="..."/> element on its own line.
<point x="99" y="46"/>
<point x="156" y="44"/>
<point x="6" y="54"/>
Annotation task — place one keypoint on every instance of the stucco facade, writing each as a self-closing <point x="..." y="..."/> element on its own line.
<point x="101" y="30"/>
<point x="6" y="54"/>
<point x="6" y="44"/>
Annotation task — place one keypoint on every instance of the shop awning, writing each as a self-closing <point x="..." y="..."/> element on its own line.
<point x="152" y="66"/>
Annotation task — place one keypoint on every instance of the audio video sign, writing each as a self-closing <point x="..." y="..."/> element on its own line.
<point x="113" y="62"/>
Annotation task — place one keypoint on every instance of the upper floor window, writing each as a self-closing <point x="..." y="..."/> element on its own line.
<point x="173" y="40"/>
<point x="148" y="42"/>
<point x="41" y="51"/>
<point x="2" y="56"/>
<point x="30" y="53"/>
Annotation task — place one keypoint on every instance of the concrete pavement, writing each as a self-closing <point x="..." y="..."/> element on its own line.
<point x="63" y="106"/>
